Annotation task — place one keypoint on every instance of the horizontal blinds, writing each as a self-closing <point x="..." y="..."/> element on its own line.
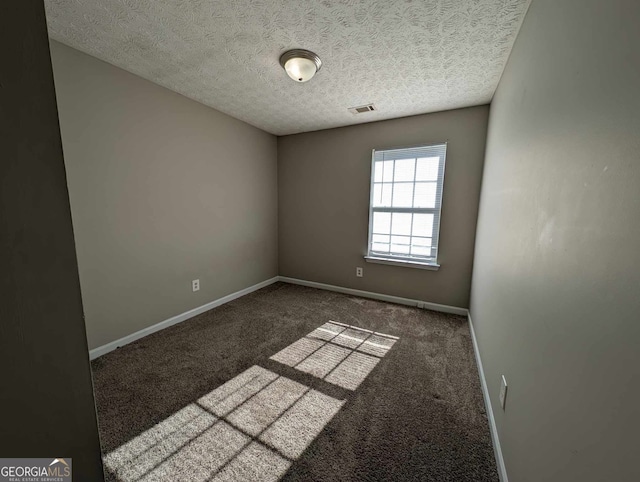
<point x="410" y="178"/>
<point x="436" y="150"/>
<point x="406" y="198"/>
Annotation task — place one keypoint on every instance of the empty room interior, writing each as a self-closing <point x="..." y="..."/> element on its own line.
<point x="373" y="240"/>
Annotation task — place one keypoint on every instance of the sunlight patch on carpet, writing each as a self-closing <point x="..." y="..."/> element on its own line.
<point x="258" y="423"/>
<point x="340" y="354"/>
<point x="251" y="428"/>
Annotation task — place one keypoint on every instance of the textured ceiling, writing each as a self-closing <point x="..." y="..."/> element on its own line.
<point x="407" y="57"/>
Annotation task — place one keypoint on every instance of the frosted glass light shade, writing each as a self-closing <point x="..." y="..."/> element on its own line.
<point x="299" y="69"/>
<point x="300" y="65"/>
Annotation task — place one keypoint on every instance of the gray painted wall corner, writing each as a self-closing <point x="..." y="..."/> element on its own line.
<point x="163" y="190"/>
<point x="323" y="205"/>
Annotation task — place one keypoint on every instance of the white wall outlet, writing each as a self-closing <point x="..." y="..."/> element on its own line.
<point x="503" y="392"/>
<point x="195" y="285"/>
<point x="359" y="272"/>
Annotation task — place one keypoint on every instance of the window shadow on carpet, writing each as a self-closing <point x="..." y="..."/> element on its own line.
<point x="337" y="353"/>
<point x="258" y="423"/>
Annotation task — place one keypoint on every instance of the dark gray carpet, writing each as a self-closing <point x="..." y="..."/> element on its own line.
<point x="413" y="412"/>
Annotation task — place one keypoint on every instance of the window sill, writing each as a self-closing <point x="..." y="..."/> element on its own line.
<point x="398" y="262"/>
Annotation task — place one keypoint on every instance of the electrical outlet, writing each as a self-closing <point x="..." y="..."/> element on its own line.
<point x="503" y="392"/>
<point x="195" y="285"/>
<point x="359" y="272"/>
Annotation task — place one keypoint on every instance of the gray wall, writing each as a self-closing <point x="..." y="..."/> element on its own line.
<point x="163" y="190"/>
<point x="46" y="397"/>
<point x="556" y="285"/>
<point x="323" y="181"/>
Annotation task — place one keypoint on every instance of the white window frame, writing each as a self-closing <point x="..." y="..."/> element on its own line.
<point x="415" y="261"/>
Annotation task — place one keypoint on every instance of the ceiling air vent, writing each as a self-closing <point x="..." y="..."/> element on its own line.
<point x="361" y="109"/>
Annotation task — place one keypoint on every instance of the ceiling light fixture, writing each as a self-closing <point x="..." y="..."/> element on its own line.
<point x="301" y="65"/>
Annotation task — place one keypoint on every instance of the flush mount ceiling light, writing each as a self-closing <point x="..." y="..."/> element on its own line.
<point x="301" y="65"/>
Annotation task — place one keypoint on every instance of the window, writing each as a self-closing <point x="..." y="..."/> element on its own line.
<point x="404" y="211"/>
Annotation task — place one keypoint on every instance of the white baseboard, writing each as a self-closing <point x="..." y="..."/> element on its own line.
<point x="378" y="296"/>
<point x="502" y="470"/>
<point x="104" y="349"/>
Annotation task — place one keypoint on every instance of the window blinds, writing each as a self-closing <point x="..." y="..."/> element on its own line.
<point x="406" y="200"/>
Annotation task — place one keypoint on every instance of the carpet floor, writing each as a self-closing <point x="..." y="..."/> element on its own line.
<point x="297" y="384"/>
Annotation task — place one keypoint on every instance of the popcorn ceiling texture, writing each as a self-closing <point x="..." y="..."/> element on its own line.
<point x="407" y="57"/>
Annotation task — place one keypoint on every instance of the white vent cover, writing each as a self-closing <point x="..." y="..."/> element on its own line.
<point x="361" y="109"/>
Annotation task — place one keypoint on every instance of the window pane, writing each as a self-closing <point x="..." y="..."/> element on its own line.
<point x="382" y="194"/>
<point x="377" y="194"/>
<point x="421" y="246"/>
<point x="400" y="244"/>
<point x="380" y="238"/>
<point x="420" y="251"/>
<point x="377" y="172"/>
<point x="421" y="242"/>
<point x="427" y="169"/>
<point x="387" y="171"/>
<point x="401" y="240"/>
<point x="422" y="225"/>
<point x="404" y="170"/>
<point x="382" y="223"/>
<point x="425" y="195"/>
<point x="402" y="195"/>
<point x="400" y="249"/>
<point x="380" y="247"/>
<point x="401" y="224"/>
